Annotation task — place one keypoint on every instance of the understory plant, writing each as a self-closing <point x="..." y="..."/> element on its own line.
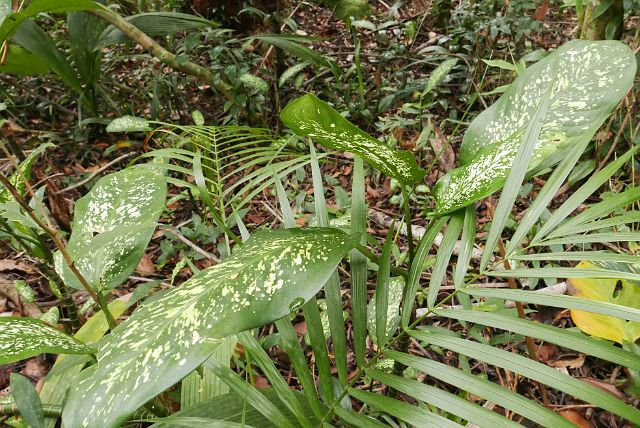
<point x="183" y="338"/>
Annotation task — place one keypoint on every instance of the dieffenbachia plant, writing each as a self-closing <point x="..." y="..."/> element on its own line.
<point x="112" y="227"/>
<point x="587" y="80"/>
<point x="271" y="275"/>
<point x="309" y="116"/>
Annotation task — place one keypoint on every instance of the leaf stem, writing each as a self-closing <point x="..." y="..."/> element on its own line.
<point x="55" y="238"/>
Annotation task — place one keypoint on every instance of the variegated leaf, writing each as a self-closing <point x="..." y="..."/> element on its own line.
<point x="309" y="116"/>
<point x="589" y="79"/>
<point x="112" y="227"/>
<point x="272" y="274"/>
<point x="618" y="291"/>
<point x="22" y="338"/>
<point x="129" y="124"/>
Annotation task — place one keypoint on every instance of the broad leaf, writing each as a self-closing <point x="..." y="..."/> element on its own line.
<point x="128" y="124"/>
<point x="112" y="226"/>
<point x="27" y="400"/>
<point x="11" y="22"/>
<point x="22" y="338"/>
<point x="589" y="79"/>
<point x="617" y="291"/>
<point x="20" y="61"/>
<point x="309" y="116"/>
<point x="272" y="274"/>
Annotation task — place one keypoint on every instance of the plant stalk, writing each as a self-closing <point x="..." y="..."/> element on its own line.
<point x="58" y="242"/>
<point x="162" y="54"/>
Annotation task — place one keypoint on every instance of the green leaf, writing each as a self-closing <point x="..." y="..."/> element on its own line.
<point x="233" y="407"/>
<point x="417" y="267"/>
<point x="11" y="22"/>
<point x="358" y="262"/>
<point x="558" y="301"/>
<point x="414" y="415"/>
<point x="35" y="40"/>
<point x="580" y="195"/>
<point x="444" y="400"/>
<point x="565" y="338"/>
<point x="533" y="370"/>
<point x="444" y="255"/>
<point x="500" y="63"/>
<point x="249" y="393"/>
<point x="292" y="46"/>
<point x="27" y="400"/>
<point x="439" y="74"/>
<point x="483" y="388"/>
<point x="21" y="338"/>
<point x="382" y="291"/>
<point x="392" y="316"/>
<point x="358" y="420"/>
<point x="112" y="227"/>
<point x="332" y="289"/>
<point x="153" y="24"/>
<point x="270" y="371"/>
<point x="272" y="274"/>
<point x="129" y="124"/>
<point x="577" y="109"/>
<point x="309" y="116"/>
<point x="20" y="61"/>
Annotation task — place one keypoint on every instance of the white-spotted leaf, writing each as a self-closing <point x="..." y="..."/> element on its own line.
<point x="112" y="227"/>
<point x="589" y="79"/>
<point x="163" y="341"/>
<point x="21" y="338"/>
<point x="129" y="124"/>
<point x="309" y="116"/>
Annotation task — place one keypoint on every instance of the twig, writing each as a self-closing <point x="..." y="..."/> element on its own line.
<point x="96" y="172"/>
<point x="418" y="232"/>
<point x="160" y="52"/>
<point x="60" y="245"/>
<point x="190" y="244"/>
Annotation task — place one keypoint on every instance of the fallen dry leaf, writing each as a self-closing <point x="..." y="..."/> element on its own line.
<point x="576" y="418"/>
<point x="607" y="387"/>
<point x="571" y="363"/>
<point x="146" y="265"/>
<point x="35" y="369"/>
<point x="9" y="264"/>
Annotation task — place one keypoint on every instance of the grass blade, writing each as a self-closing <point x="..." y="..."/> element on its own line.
<point x="359" y="262"/>
<point x="583" y="193"/>
<point x="515" y="178"/>
<point x="382" y="289"/>
<point x="248" y="392"/>
<point x="414" y="415"/>
<point x="467" y="241"/>
<point x="444" y="400"/>
<point x="332" y="290"/>
<point x="416" y="267"/>
<point x="567" y="339"/>
<point x="532" y="370"/>
<point x="484" y="388"/>
<point x="444" y="255"/>
<point x="559" y="301"/>
<point x="547" y="193"/>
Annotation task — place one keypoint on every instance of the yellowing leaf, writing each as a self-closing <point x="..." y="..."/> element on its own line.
<point x="619" y="292"/>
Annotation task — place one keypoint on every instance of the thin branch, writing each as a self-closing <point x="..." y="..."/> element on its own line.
<point x="93" y="175"/>
<point x="160" y="52"/>
<point x="60" y="245"/>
